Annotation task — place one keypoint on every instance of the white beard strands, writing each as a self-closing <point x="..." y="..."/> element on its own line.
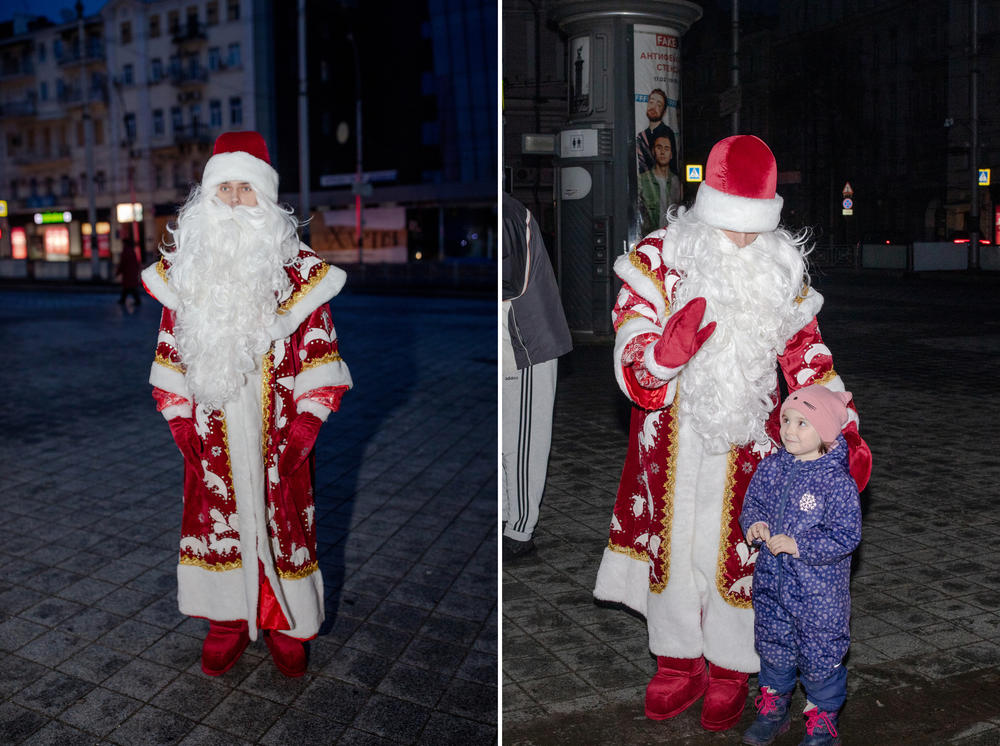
<point x="228" y="271"/>
<point x="726" y="389"/>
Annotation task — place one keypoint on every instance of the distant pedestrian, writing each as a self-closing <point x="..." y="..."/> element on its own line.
<point x="128" y="269"/>
<point x="802" y="510"/>
<point x="535" y="334"/>
<point x="247" y="369"/>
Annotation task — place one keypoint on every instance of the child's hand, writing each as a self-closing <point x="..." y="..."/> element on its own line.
<point x="759" y="530"/>
<point x="782" y="543"/>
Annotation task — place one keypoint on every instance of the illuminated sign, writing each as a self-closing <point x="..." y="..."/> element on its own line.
<point x="53" y="217"/>
<point x="984" y="177"/>
<point x="3" y="208"/>
<point x="694" y="173"/>
<point x="129" y="211"/>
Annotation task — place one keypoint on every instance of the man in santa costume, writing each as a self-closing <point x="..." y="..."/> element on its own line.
<point x="711" y="306"/>
<point x="247" y="368"/>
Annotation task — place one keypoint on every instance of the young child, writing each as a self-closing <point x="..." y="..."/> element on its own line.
<point x="802" y="506"/>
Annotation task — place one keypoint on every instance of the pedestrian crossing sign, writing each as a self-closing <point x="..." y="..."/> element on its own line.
<point x="3" y="208"/>
<point x="984" y="177"/>
<point x="694" y="173"/>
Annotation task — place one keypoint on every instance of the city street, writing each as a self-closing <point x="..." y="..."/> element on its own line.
<point x="92" y="646"/>
<point x="920" y="355"/>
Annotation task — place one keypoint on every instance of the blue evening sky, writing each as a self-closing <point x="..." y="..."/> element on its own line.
<point x="48" y="8"/>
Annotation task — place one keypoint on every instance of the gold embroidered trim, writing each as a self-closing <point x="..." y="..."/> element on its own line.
<point x="168" y="363"/>
<point x="217" y="567"/>
<point x="330" y="357"/>
<point x="303" y="289"/>
<point x="727" y="514"/>
<point x="161" y="270"/>
<point x="802" y="293"/>
<point x="299" y="574"/>
<point x="231" y="487"/>
<point x="668" y="500"/>
<point x="265" y="402"/>
<point x="826" y="377"/>
<point x="636" y="262"/>
<point x="641" y="556"/>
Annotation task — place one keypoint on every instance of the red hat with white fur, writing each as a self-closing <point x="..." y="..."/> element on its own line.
<point x="739" y="189"/>
<point x="241" y="156"/>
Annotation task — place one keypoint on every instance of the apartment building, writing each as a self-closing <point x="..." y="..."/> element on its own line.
<point x="161" y="79"/>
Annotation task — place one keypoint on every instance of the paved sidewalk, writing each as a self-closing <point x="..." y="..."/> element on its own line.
<point x="920" y="355"/>
<point x="92" y="647"/>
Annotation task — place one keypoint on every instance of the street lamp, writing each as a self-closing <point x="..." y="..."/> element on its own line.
<point x="358" y="173"/>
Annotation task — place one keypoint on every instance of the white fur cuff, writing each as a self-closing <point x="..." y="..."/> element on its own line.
<point x="312" y="407"/>
<point x="177" y="410"/>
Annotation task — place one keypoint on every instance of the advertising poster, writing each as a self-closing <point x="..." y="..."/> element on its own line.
<point x="579" y="97"/>
<point x="656" y="84"/>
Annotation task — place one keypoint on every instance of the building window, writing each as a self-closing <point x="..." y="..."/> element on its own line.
<point x="41" y="51"/>
<point x="158" y="122"/>
<point x="232" y="10"/>
<point x="154" y="27"/>
<point x="236" y="110"/>
<point x="192" y="19"/>
<point x="126" y="32"/>
<point x="195" y="111"/>
<point x="128" y="75"/>
<point x="100" y="180"/>
<point x="13" y="188"/>
<point x="176" y="120"/>
<point x="215" y="113"/>
<point x="212" y="12"/>
<point x="156" y="70"/>
<point x="43" y="91"/>
<point x="175" y="65"/>
<point x="98" y="131"/>
<point x="178" y="179"/>
<point x="213" y="58"/>
<point x="64" y="190"/>
<point x="173" y="22"/>
<point x="57" y="49"/>
<point x="234" y="55"/>
<point x="130" y="127"/>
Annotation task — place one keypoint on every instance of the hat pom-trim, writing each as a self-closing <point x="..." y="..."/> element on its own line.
<point x="733" y="213"/>
<point x="241" y="166"/>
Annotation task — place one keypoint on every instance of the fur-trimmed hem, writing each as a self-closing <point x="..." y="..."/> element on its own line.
<point x="157" y="287"/>
<point x="314" y="408"/>
<point x="329" y="285"/>
<point x="622" y="579"/>
<point x="169" y="380"/>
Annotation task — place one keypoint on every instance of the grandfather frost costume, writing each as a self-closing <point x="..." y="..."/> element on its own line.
<point x="247" y="367"/>
<point x="704" y="418"/>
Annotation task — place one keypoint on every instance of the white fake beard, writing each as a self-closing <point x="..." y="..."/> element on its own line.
<point x="727" y="389"/>
<point x="228" y="272"/>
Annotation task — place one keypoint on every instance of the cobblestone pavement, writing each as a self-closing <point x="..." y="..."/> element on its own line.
<point x="920" y="355"/>
<point x="92" y="646"/>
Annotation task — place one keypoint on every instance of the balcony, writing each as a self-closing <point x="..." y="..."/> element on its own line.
<point x="16" y="69"/>
<point x="95" y="94"/>
<point x="94" y="53"/>
<point x="191" y="75"/>
<point x="24" y="108"/>
<point x="192" y="31"/>
<point x="193" y="134"/>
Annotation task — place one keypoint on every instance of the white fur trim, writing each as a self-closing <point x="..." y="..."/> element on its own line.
<point x="626" y="333"/>
<point x="328" y="374"/>
<point x="330" y="284"/>
<point x="158" y="288"/>
<point x="640" y="284"/>
<point x="810" y="306"/>
<point x="742" y="214"/>
<point x="660" y="371"/>
<point x="177" y="410"/>
<point x="169" y="380"/>
<point x="624" y="580"/>
<point x="313" y="408"/>
<point x="241" y="166"/>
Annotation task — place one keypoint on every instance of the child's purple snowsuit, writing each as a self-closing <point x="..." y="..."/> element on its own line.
<point x="802" y="605"/>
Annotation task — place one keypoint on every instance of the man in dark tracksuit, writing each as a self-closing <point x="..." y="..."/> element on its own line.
<point x="535" y="333"/>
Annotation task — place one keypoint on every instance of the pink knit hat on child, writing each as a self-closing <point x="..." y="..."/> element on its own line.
<point x="825" y="410"/>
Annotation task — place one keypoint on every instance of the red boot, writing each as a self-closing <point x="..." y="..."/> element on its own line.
<point x="725" y="698"/>
<point x="677" y="685"/>
<point x="224" y="644"/>
<point x="289" y="654"/>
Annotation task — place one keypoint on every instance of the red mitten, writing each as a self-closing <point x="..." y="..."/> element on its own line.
<point x="681" y="337"/>
<point x="182" y="428"/>
<point x="301" y="438"/>
<point x="859" y="455"/>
